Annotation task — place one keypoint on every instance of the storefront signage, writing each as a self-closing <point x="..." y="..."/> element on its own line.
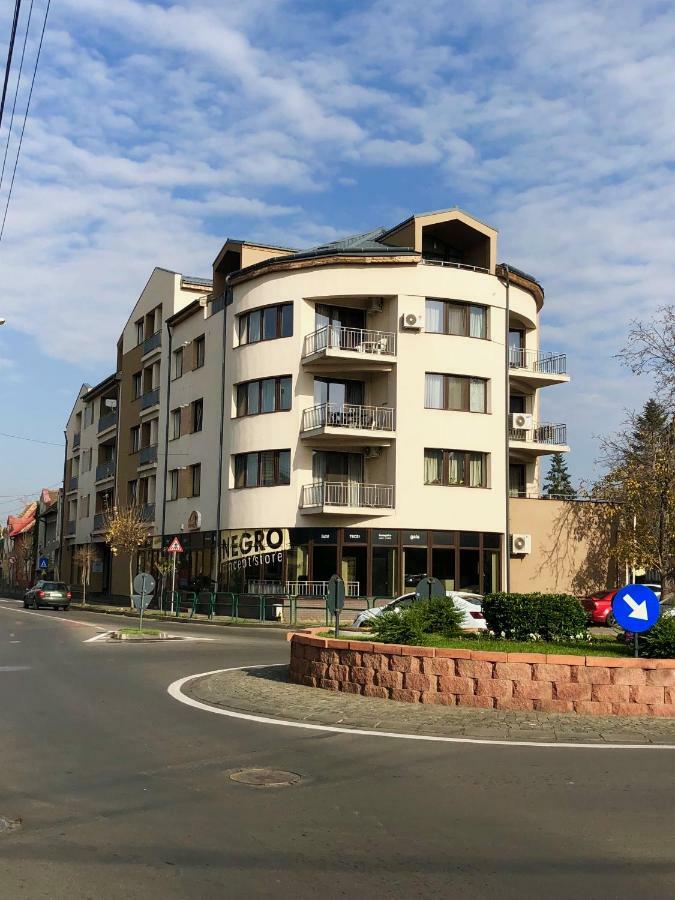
<point x="250" y="547"/>
<point x="325" y="536"/>
<point x="413" y="538"/>
<point x="354" y="536"/>
<point x="384" y="538"/>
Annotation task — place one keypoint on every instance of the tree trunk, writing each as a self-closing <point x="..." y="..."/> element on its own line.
<point x="131" y="580"/>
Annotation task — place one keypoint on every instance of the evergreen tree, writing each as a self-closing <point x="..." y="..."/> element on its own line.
<point x="558" y="482"/>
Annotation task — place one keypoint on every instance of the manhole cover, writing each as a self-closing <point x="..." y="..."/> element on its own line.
<point x="266" y="777"/>
<point x="9" y="824"/>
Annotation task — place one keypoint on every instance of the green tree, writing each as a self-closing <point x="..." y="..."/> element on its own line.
<point x="558" y="482"/>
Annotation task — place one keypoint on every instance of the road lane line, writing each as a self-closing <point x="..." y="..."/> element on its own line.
<point x="174" y="690"/>
<point x="36" y="612"/>
<point x="97" y="637"/>
<point x="14" y="668"/>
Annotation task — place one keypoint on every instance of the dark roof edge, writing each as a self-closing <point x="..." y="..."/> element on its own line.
<point x="108" y="381"/>
<point x="522" y="279"/>
<point x="319" y="254"/>
<point x="185" y="312"/>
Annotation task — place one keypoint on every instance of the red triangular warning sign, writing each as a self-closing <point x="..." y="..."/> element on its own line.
<point x="175" y="546"/>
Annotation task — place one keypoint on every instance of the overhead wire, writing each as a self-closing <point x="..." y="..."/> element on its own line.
<point x="19" y="437"/>
<point x="25" y="118"/>
<point x="16" y="93"/>
<point x="10" y="51"/>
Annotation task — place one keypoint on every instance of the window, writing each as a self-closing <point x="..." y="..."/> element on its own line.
<point x="132" y="492"/>
<point x="266" y="324"/>
<point x="264" y="469"/>
<point x="264" y="396"/>
<point x="175" y="424"/>
<point x="196" y="475"/>
<point x="173" y="484"/>
<point x="453" y="317"/>
<point x="88" y="415"/>
<point x="197" y="415"/>
<point x="135" y="442"/>
<point x="137" y="385"/>
<point x="461" y="468"/>
<point x="455" y="392"/>
<point x="199" y="351"/>
<point x="139" y="332"/>
<point x="178" y="362"/>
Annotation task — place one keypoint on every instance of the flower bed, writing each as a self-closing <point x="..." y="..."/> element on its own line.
<point x="589" y="685"/>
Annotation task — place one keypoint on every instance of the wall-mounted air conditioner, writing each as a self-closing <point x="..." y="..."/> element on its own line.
<point x="522" y="421"/>
<point x="521" y="544"/>
<point x="412" y="321"/>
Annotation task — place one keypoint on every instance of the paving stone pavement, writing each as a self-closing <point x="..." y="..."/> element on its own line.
<point x="266" y="691"/>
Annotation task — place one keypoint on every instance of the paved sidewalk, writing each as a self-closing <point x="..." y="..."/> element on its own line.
<point x="267" y="692"/>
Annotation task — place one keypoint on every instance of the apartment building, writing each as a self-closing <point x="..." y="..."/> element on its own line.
<point x="363" y="407"/>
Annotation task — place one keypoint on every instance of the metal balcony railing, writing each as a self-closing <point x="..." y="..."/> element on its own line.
<point x="147" y="455"/>
<point x="72" y="483"/>
<point x="76" y="440"/>
<point x="540" y="434"/>
<point x="105" y="470"/>
<point x="150" y="399"/>
<point x="348" y="415"/>
<point x="151" y="343"/>
<point x="107" y="421"/>
<point x="360" y="340"/>
<point x="453" y="265"/>
<point x="538" y="361"/>
<point x="70" y="528"/>
<point x="99" y="521"/>
<point x="348" y="493"/>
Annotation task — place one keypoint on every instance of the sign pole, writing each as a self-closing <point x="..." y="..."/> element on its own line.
<point x="140" y="624"/>
<point x="637" y="651"/>
<point x="173" y="580"/>
<point x="337" y="622"/>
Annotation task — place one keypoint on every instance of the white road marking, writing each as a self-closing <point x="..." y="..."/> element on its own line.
<point x="174" y="690"/>
<point x="36" y="612"/>
<point x="97" y="637"/>
<point x="14" y="668"/>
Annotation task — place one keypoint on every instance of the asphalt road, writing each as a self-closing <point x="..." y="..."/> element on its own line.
<point x="125" y="793"/>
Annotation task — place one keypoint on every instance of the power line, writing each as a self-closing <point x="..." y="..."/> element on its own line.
<point x="25" y="118"/>
<point x="18" y="437"/>
<point x="16" y="93"/>
<point x="8" y="65"/>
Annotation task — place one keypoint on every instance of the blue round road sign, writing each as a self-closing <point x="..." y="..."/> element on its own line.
<point x="636" y="608"/>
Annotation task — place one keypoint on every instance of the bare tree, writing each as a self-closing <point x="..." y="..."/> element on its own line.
<point x="163" y="568"/>
<point x="84" y="557"/>
<point x="126" y="529"/>
<point x="651" y="350"/>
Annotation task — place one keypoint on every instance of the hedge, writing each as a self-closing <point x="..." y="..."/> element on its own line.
<point x="525" y="617"/>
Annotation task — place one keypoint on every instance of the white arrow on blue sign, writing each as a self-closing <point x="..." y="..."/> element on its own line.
<point x="636" y="608"/>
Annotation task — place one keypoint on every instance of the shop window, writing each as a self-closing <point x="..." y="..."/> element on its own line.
<point x="354" y="568"/>
<point x="443" y="566"/>
<point x="469" y="571"/>
<point x="384" y="571"/>
<point x="490" y="571"/>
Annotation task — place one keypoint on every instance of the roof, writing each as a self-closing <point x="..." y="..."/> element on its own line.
<point x="107" y="382"/>
<point x="439" y="212"/>
<point x="23" y="522"/>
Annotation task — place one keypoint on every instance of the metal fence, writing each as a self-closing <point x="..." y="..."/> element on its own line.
<point x="361" y="340"/>
<point x="348" y="415"/>
<point x="541" y="434"/>
<point x="543" y="363"/>
<point x="348" y="493"/>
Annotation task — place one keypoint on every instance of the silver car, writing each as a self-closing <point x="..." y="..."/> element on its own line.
<point x="47" y="593"/>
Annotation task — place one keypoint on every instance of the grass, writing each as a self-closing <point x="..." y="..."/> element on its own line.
<point x="599" y="647"/>
<point x="135" y="632"/>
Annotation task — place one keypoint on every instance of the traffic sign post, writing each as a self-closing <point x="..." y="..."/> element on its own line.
<point x="144" y="585"/>
<point x="335" y="599"/>
<point x="43" y="563"/>
<point x="429" y="589"/>
<point x="174" y="548"/>
<point x="636" y="608"/>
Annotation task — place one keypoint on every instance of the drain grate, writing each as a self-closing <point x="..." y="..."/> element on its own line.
<point x="9" y="824"/>
<point x="266" y="777"/>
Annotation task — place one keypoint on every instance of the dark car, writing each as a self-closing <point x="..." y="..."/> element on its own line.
<point x="47" y="593"/>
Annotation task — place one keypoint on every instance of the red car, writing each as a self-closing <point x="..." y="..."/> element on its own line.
<point x="599" y="608"/>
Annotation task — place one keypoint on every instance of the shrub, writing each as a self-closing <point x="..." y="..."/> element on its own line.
<point x="439" y="616"/>
<point x="659" y="641"/>
<point x="398" y="627"/>
<point x="525" y="617"/>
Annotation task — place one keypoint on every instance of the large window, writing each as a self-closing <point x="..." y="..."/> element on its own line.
<point x="264" y="396"/>
<point x="456" y="392"/>
<point x="458" y="468"/>
<point x="263" y="469"/>
<point x="197" y="415"/>
<point x="453" y="317"/>
<point x="266" y="324"/>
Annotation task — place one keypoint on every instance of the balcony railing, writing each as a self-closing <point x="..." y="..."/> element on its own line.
<point x="453" y="265"/>
<point x="105" y="470"/>
<point x="99" y="521"/>
<point x="151" y="343"/>
<point x="538" y="361"/>
<point x="348" y="493"/>
<point x="147" y="455"/>
<point x="72" y="483"/>
<point x="360" y="340"/>
<point x="348" y="415"/>
<point x="70" y="528"/>
<point x="76" y="440"/>
<point x="150" y="399"/>
<point x="540" y="434"/>
<point x="107" y="421"/>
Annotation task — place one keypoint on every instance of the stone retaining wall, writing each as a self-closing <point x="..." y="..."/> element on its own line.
<point x="523" y="681"/>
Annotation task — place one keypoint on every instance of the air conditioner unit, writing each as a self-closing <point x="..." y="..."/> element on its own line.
<point x="522" y="421"/>
<point x="372" y="452"/>
<point x="376" y="305"/>
<point x="412" y="321"/>
<point x="521" y="544"/>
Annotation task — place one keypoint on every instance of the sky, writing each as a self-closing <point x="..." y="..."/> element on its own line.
<point x="159" y="129"/>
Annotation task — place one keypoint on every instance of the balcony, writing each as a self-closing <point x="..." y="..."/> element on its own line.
<point x="70" y="528"/>
<point x="537" y="368"/>
<point x="348" y="425"/>
<point x="105" y="423"/>
<point x="539" y="440"/>
<point x="76" y="441"/>
<point x="105" y="470"/>
<point x="150" y="399"/>
<point x="154" y="342"/>
<point x="147" y="456"/>
<point x="72" y="483"/>
<point x="99" y="522"/>
<point x="347" y="498"/>
<point x="337" y="349"/>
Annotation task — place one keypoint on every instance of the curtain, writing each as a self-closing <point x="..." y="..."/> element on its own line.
<point x="433" y="316"/>
<point x="433" y="466"/>
<point x="284" y="467"/>
<point x="476" y="474"/>
<point x="318" y="466"/>
<point x="285" y="388"/>
<point x="268" y="395"/>
<point x="251" y="470"/>
<point x="253" y="398"/>
<point x="457" y="318"/>
<point x="456" y="467"/>
<point x="433" y="392"/>
<point x="455" y="392"/>
<point x="477" y="395"/>
<point x="267" y="467"/>
<point x="477" y="321"/>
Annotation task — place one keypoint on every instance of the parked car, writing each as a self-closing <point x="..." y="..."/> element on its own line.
<point x="469" y="604"/>
<point x="599" y="608"/>
<point x="47" y="593"/>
